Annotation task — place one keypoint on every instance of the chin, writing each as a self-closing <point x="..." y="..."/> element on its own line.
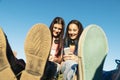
<point x="73" y="38"/>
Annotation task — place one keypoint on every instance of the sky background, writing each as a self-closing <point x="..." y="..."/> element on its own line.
<point x="18" y="16"/>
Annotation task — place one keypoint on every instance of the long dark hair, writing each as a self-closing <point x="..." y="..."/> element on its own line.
<point x="67" y="40"/>
<point x="58" y="20"/>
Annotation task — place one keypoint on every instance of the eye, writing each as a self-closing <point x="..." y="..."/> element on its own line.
<point x="74" y="29"/>
<point x="69" y="30"/>
<point x="54" y="27"/>
<point x="59" y="28"/>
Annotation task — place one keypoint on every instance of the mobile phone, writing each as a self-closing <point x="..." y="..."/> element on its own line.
<point x="67" y="51"/>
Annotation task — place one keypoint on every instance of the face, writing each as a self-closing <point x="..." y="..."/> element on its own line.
<point x="73" y="31"/>
<point x="57" y="28"/>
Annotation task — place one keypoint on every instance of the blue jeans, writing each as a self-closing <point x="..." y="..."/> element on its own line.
<point x="69" y="68"/>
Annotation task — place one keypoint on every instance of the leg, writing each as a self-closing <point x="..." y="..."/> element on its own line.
<point x="50" y="70"/>
<point x="5" y="69"/>
<point x="69" y="69"/>
<point x="17" y="65"/>
<point x="92" y="51"/>
<point x="37" y="47"/>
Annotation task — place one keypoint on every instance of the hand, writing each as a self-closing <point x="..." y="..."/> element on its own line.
<point x="55" y="59"/>
<point x="51" y="58"/>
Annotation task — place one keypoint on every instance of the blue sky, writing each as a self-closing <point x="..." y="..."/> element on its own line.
<point x="18" y="16"/>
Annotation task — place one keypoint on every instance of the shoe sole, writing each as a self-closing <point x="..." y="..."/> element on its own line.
<point x="92" y="50"/>
<point x="37" y="47"/>
<point x="5" y="70"/>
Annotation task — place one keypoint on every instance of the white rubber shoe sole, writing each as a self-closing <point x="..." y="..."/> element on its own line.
<point x="92" y="50"/>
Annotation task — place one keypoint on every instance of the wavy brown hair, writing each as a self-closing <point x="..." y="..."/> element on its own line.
<point x="58" y="20"/>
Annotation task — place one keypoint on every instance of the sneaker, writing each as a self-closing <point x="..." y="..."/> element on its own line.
<point x="37" y="47"/>
<point x="5" y="70"/>
<point x="116" y="74"/>
<point x="92" y="51"/>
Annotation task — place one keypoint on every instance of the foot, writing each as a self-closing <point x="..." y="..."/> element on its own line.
<point x="5" y="70"/>
<point x="92" y="51"/>
<point x="37" y="47"/>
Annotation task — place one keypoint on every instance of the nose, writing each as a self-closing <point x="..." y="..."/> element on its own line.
<point x="71" y="32"/>
<point x="57" y="30"/>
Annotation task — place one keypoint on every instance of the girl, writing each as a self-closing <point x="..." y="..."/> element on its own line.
<point x="57" y="31"/>
<point x="56" y="53"/>
<point x="73" y="32"/>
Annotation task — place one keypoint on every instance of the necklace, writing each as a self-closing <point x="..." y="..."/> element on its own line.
<point x="56" y="41"/>
<point x="72" y="42"/>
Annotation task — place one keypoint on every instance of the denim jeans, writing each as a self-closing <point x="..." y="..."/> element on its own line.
<point x="69" y="68"/>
